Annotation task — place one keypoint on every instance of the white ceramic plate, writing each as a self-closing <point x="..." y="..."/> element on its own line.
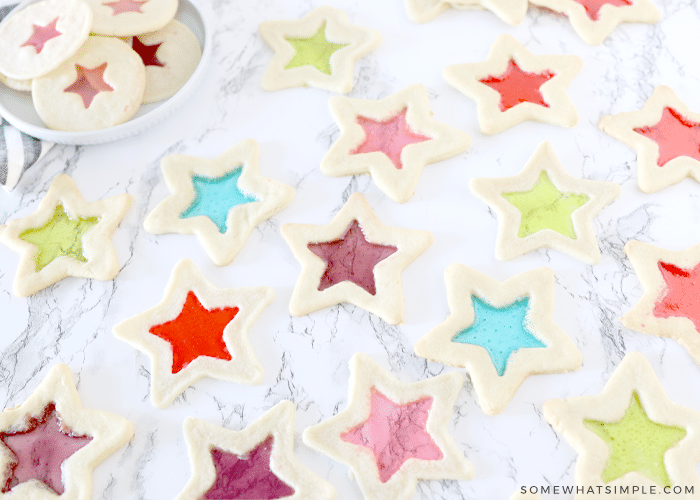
<point x="16" y="107"/>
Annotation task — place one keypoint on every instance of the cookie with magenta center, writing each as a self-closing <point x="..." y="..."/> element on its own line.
<point x="130" y="17"/>
<point x="100" y="86"/>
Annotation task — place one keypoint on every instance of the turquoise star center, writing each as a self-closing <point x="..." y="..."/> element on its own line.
<point x="216" y="196"/>
<point x="500" y="330"/>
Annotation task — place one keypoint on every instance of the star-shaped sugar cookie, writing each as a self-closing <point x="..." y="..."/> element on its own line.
<point x="220" y="200"/>
<point x="630" y="435"/>
<point x="392" y="139"/>
<point x="354" y="258"/>
<point x="318" y="50"/>
<point x="666" y="136"/>
<point x="594" y="20"/>
<point x="513" y="85"/>
<point x="511" y="11"/>
<point x="197" y="331"/>
<point x="50" y="444"/>
<point x="669" y="306"/>
<point x="501" y="332"/>
<point x="65" y="237"/>
<point x="391" y="434"/>
<point x="256" y="462"/>
<point x="545" y="207"/>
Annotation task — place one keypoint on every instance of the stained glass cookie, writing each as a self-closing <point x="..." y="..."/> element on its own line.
<point x="666" y="136"/>
<point x="65" y="237"/>
<point x="40" y="37"/>
<point x="545" y="207"/>
<point x="501" y="332"/>
<point x="51" y="444"/>
<point x="391" y="434"/>
<point x="170" y="56"/>
<point x="197" y="331"/>
<point x="318" y="50"/>
<point x="392" y="139"/>
<point x="513" y="85"/>
<point x="131" y="17"/>
<point x="354" y="258"/>
<point x="256" y="462"/>
<point x="220" y="200"/>
<point x="100" y="86"/>
<point x="630" y="436"/>
<point x="511" y="11"/>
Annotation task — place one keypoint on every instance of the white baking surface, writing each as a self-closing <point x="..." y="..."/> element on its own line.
<point x="306" y="359"/>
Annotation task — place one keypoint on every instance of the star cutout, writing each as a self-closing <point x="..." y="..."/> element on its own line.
<point x="41" y="35"/>
<point x="147" y="52"/>
<point x="183" y="334"/>
<point x="632" y="409"/>
<point x="594" y="20"/>
<point x="666" y="136"/>
<point x="511" y="11"/>
<point x="256" y="462"/>
<point x="88" y="83"/>
<point x="420" y="447"/>
<point x="523" y="77"/>
<point x="509" y="349"/>
<point x="232" y="179"/>
<point x="52" y="444"/>
<point x="669" y="306"/>
<point x="391" y="139"/>
<point x="122" y="6"/>
<point x="43" y="264"/>
<point x="513" y="239"/>
<point x="318" y="50"/>
<point x="311" y="293"/>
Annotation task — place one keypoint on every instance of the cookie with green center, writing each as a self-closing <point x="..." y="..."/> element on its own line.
<point x="500" y="332"/>
<point x="630" y="434"/>
<point x="65" y="237"/>
<point x="545" y="207"/>
<point x="511" y="11"/>
<point x="221" y="200"/>
<point x="318" y="50"/>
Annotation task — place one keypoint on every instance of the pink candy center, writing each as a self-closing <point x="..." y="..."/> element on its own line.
<point x="682" y="295"/>
<point x="388" y="137"/>
<point x="41" y="35"/>
<point x="593" y="6"/>
<point x="395" y="433"/>
<point x="246" y="477"/>
<point x="351" y="258"/>
<point x="122" y="6"/>
<point x="40" y="450"/>
<point x="516" y="86"/>
<point x="675" y="135"/>
<point x="89" y="83"/>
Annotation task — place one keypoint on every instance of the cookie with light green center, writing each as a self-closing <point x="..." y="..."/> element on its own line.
<point x="545" y="207"/>
<point x="318" y="50"/>
<point x="630" y="435"/>
<point x="66" y="236"/>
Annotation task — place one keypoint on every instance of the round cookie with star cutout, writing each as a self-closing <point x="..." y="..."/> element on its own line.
<point x="100" y="86"/>
<point x="170" y="55"/>
<point x="130" y="17"/>
<point x="37" y="39"/>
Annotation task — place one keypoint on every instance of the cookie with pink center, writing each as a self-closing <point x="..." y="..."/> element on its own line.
<point x="39" y="38"/>
<point x="594" y="20"/>
<point x="50" y="444"/>
<point x="666" y="136"/>
<point x="391" y="434"/>
<point x="170" y="56"/>
<point x="354" y="258"/>
<point x="100" y="86"/>
<point x="391" y="139"/>
<point x="513" y="85"/>
<point x="130" y="17"/>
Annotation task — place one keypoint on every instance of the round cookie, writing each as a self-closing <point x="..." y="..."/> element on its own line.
<point x="100" y="86"/>
<point x="130" y="17"/>
<point x="170" y="55"/>
<point x="20" y="85"/>
<point x="37" y="39"/>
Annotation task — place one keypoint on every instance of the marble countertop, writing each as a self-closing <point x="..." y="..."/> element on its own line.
<point x="305" y="359"/>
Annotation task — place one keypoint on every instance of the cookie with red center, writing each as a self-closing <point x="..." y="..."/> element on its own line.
<point x="40" y="37"/>
<point x="130" y="17"/>
<point x="100" y="86"/>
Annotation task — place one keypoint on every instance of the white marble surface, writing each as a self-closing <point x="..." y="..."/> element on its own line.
<point x="306" y="359"/>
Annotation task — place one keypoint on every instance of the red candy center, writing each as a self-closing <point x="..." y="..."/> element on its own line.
<point x="89" y="83"/>
<point x="516" y="86"/>
<point x="593" y="6"/>
<point x="147" y="52"/>
<point x="675" y="135"/>
<point x="682" y="297"/>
